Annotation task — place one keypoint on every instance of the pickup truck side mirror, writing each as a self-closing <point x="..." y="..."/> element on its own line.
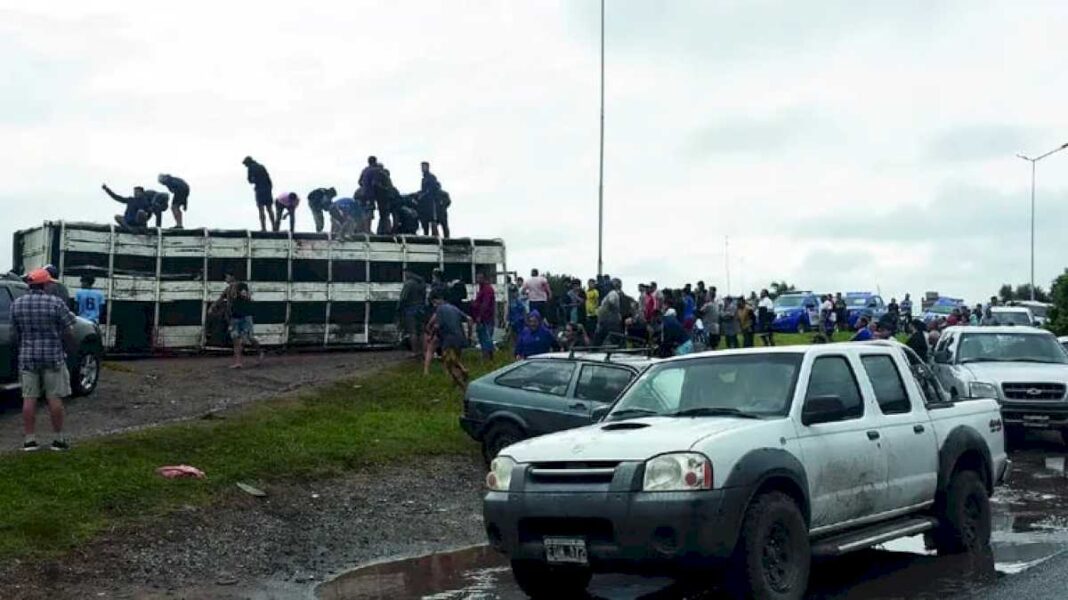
<point x="941" y="356"/>
<point x="601" y="412"/>
<point x="822" y="409"/>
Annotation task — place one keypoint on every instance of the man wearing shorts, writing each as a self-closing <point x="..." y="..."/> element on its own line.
<point x="179" y="189"/>
<point x="41" y="323"/>
<point x="451" y="338"/>
<point x="261" y="183"/>
<point x="241" y="326"/>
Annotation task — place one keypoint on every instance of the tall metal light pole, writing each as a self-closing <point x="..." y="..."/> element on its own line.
<point x="600" y="178"/>
<point x="1033" y="161"/>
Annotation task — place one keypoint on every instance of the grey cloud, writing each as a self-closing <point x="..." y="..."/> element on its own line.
<point x="733" y="134"/>
<point x="981" y="142"/>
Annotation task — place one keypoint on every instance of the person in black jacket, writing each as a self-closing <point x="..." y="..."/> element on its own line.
<point x="428" y="201"/>
<point x="918" y="338"/>
<point x="261" y="183"/>
<point x="179" y="189"/>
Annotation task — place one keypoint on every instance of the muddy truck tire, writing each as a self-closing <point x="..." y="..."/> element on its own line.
<point x="773" y="556"/>
<point x="965" y="516"/>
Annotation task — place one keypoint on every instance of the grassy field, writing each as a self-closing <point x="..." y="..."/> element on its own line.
<point x="51" y="501"/>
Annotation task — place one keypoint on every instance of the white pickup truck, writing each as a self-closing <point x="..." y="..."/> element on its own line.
<point x="742" y="465"/>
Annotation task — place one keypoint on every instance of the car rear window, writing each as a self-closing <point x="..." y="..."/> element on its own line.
<point x="542" y="376"/>
<point x="602" y="384"/>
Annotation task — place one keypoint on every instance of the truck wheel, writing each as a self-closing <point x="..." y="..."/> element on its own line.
<point x="86" y="372"/>
<point x="773" y="556"/>
<point x="1014" y="436"/>
<point x="499" y="436"/>
<point x="539" y="580"/>
<point x="965" y="519"/>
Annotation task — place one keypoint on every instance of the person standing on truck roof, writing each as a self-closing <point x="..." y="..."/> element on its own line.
<point x="180" y="190"/>
<point x="451" y="338"/>
<point x="137" y="207"/>
<point x="429" y="190"/>
<point x="345" y="214"/>
<point x="90" y="301"/>
<point x="41" y="323"/>
<point x="286" y="204"/>
<point x="319" y="201"/>
<point x="157" y="203"/>
<point x="262" y="185"/>
<point x="444" y="202"/>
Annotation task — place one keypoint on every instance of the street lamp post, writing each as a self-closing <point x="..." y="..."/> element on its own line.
<point x="600" y="177"/>
<point x="1033" y="162"/>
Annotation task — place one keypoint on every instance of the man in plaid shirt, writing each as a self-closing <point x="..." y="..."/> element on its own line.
<point x="41" y="323"/>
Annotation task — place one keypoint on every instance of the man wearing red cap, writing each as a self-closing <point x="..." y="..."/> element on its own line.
<point x="41" y="323"/>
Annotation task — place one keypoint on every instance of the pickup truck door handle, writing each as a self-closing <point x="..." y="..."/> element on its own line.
<point x="578" y="406"/>
<point x="873" y="435"/>
<point x="918" y="428"/>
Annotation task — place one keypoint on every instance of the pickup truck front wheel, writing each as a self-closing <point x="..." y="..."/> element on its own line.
<point x="773" y="556"/>
<point x="965" y="519"/>
<point x="539" y="580"/>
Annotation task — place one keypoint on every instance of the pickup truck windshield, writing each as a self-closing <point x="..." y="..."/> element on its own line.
<point x="749" y="385"/>
<point x="1010" y="347"/>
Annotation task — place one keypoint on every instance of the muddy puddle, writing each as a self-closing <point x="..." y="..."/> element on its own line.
<point x="1030" y="525"/>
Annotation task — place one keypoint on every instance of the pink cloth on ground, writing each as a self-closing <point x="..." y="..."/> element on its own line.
<point x="175" y="471"/>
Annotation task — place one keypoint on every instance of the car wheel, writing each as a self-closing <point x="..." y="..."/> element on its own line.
<point x="801" y="326"/>
<point x="539" y="580"/>
<point x="500" y="436"/>
<point x="86" y="373"/>
<point x="965" y="519"/>
<point x="773" y="556"/>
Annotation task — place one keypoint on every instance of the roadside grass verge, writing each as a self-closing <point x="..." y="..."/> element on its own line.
<point x="50" y="502"/>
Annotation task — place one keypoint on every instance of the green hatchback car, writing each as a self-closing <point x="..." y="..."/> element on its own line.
<point x="543" y="394"/>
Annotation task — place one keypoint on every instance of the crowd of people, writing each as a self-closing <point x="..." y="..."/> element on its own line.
<point x="375" y="196"/>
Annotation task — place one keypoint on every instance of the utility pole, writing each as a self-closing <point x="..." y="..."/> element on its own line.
<point x="1034" y="161"/>
<point x="600" y="178"/>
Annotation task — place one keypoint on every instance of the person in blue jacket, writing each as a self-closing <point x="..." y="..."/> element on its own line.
<point x="535" y="337"/>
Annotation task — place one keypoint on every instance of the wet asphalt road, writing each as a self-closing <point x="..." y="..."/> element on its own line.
<point x="1030" y="533"/>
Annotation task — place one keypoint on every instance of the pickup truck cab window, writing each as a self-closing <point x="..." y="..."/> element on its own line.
<point x="758" y="385"/>
<point x="889" y="389"/>
<point x="601" y="383"/>
<point x="832" y="376"/>
<point x="545" y="376"/>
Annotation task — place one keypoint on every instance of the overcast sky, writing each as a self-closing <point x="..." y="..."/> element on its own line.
<point x="841" y="145"/>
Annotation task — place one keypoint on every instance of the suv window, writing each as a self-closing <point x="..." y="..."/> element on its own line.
<point x="5" y="305"/>
<point x="886" y="380"/>
<point x="601" y="384"/>
<point x="542" y="376"/>
<point x="832" y="376"/>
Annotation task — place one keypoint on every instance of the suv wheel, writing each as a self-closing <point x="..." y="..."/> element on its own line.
<point x="965" y="517"/>
<point x="86" y="373"/>
<point x="500" y="436"/>
<point x="773" y="556"/>
<point x="539" y="580"/>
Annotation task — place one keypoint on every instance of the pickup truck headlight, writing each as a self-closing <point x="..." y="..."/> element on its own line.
<point x="981" y="389"/>
<point x="677" y="472"/>
<point x="499" y="477"/>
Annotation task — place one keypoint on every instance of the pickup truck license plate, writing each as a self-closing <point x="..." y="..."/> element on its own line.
<point x="565" y="550"/>
<point x="1040" y="421"/>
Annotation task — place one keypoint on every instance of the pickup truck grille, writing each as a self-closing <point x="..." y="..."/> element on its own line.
<point x="574" y="472"/>
<point x="536" y="529"/>
<point x="1033" y="391"/>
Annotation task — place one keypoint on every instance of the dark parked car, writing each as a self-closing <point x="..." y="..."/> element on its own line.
<point x="83" y="360"/>
<point x="543" y="394"/>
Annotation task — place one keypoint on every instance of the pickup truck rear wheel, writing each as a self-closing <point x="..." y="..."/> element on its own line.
<point x="539" y="580"/>
<point x="773" y="556"/>
<point x="498" y="437"/>
<point x="965" y="518"/>
<point x="86" y="372"/>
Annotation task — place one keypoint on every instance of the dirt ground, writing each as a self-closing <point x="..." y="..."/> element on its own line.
<point x="277" y="547"/>
<point x="137" y="393"/>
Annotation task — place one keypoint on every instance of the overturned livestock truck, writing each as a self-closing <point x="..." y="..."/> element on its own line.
<point x="308" y="289"/>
